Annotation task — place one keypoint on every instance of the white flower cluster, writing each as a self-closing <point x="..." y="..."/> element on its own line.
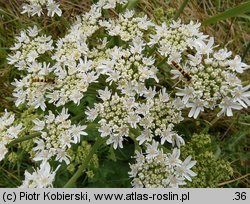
<point x="214" y="83"/>
<point x="57" y="135"/>
<point x="73" y="70"/>
<point x="159" y="114"/>
<point x="43" y="177"/>
<point x="73" y="46"/>
<point x="174" y="39"/>
<point x="156" y="115"/>
<point x="127" y="26"/>
<point x="8" y="132"/>
<point x="29" y="47"/>
<point x="128" y="68"/>
<point x="155" y="169"/>
<point x="72" y="82"/>
<point x="35" y="7"/>
<point x="31" y="87"/>
<point x="117" y="116"/>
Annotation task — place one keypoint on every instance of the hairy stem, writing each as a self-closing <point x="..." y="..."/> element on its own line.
<point x="25" y="138"/>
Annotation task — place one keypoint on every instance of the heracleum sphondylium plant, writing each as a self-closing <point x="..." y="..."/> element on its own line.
<point x="118" y="58"/>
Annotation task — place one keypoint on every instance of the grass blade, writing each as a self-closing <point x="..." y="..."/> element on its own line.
<point x="238" y="10"/>
<point x="180" y="10"/>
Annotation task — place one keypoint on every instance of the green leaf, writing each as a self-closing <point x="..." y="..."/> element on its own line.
<point x="111" y="175"/>
<point x="245" y="16"/>
<point x="112" y="154"/>
<point x="218" y="152"/>
<point x="4" y="48"/>
<point x="233" y="12"/>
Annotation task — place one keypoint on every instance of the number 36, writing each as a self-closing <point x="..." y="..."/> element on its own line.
<point x="240" y="196"/>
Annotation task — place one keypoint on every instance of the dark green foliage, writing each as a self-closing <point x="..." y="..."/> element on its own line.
<point x="113" y="170"/>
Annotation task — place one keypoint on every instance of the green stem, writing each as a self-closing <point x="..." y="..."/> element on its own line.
<point x="81" y="168"/>
<point x="163" y="61"/>
<point x="133" y="134"/>
<point x="180" y="10"/>
<point x="78" y="117"/>
<point x="22" y="139"/>
<point x="151" y="50"/>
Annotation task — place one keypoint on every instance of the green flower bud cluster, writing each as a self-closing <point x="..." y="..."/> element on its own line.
<point x="26" y="119"/>
<point x="79" y="155"/>
<point x="13" y="157"/>
<point x="164" y="15"/>
<point x="210" y="169"/>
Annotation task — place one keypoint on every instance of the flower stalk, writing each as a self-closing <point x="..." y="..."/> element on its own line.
<point x="25" y="138"/>
<point x="81" y="168"/>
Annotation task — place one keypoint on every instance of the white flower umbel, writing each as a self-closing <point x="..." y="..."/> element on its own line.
<point x="36" y="79"/>
<point x="43" y="177"/>
<point x="57" y="135"/>
<point x="128" y="68"/>
<point x="32" y="88"/>
<point x="28" y="48"/>
<point x="173" y="39"/>
<point x="72" y="82"/>
<point x="155" y="169"/>
<point x="117" y="114"/>
<point x="9" y="131"/>
<point x="213" y="83"/>
<point x="74" y="46"/>
<point x="159" y="114"/>
<point x="35" y="7"/>
<point x="127" y="26"/>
